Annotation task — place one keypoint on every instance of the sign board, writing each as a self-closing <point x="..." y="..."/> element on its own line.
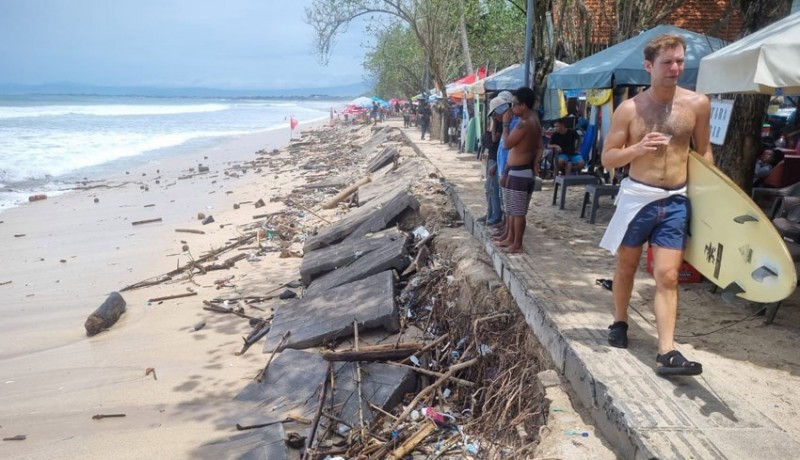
<point x="720" y="117"/>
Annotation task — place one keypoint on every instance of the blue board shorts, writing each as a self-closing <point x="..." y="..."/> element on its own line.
<point x="662" y="223"/>
<point x="574" y="159"/>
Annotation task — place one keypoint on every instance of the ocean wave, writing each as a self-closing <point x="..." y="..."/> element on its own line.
<point x="108" y="110"/>
<point x="71" y="152"/>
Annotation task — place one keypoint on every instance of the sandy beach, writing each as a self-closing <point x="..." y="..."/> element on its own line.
<point x="62" y="258"/>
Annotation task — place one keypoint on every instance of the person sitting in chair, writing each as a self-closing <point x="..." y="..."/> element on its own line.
<point x="564" y="142"/>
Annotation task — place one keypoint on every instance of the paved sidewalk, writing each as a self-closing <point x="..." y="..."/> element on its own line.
<point x="744" y="406"/>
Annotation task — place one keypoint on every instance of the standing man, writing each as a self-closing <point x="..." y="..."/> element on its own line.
<point x="564" y="142"/>
<point x="424" y="119"/>
<point x="525" y="150"/>
<point x="491" y="139"/>
<point x="652" y="132"/>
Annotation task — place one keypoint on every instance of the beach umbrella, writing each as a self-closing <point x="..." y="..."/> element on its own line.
<point x="354" y="109"/>
<point x="361" y="102"/>
<point x="381" y="102"/>
<point x="623" y="63"/>
<point x="763" y="62"/>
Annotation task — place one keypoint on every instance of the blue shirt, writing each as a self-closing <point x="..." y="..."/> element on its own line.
<point x="502" y="152"/>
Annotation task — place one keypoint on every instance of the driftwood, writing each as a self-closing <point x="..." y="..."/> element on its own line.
<point x="263" y="373"/>
<point x="191" y="265"/>
<point x="411" y="443"/>
<point x="226" y="264"/>
<point x="189" y="230"/>
<point x="269" y="214"/>
<point x="315" y="423"/>
<point x="259" y="331"/>
<point x="372" y="353"/>
<point x="341" y="196"/>
<point x="170" y="297"/>
<point x="106" y="314"/>
<point x="227" y="310"/>
<point x="147" y="221"/>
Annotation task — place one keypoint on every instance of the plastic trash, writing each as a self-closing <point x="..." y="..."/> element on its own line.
<point x="441" y="420"/>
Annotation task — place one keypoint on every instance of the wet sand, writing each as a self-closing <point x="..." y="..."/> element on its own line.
<point x="75" y="251"/>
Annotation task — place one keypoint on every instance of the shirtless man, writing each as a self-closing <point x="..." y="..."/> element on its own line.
<point x="525" y="150"/>
<point x="652" y="132"/>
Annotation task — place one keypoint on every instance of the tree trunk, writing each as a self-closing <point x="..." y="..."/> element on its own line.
<point x="738" y="155"/>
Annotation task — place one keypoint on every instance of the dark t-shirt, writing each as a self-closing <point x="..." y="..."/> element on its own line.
<point x="491" y="145"/>
<point x="566" y="141"/>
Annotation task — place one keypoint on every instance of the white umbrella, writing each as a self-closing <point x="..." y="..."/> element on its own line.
<point x="759" y="63"/>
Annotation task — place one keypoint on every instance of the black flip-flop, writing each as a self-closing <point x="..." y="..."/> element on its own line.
<point x="674" y="363"/>
<point x="607" y="284"/>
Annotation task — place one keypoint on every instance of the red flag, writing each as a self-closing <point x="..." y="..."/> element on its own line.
<point x="293" y="122"/>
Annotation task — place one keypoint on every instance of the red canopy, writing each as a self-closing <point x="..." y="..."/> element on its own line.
<point x="470" y="79"/>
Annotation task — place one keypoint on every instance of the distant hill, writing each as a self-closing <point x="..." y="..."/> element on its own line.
<point x="344" y="91"/>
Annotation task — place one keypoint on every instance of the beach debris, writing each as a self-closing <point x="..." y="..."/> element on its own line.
<point x="200" y="216"/>
<point x="3" y="283"/>
<point x="190" y="230"/>
<point x="295" y="440"/>
<point x="170" y="297"/>
<point x="263" y="373"/>
<point x="105" y="315"/>
<point x="37" y="197"/>
<point x="341" y="196"/>
<point x="208" y="220"/>
<point x="260" y="203"/>
<point x="260" y="329"/>
<point x="97" y="200"/>
<point x="149" y="371"/>
<point x="19" y="437"/>
<point x="102" y="416"/>
<point x="202" y="168"/>
<point x="287" y="294"/>
<point x="19" y="235"/>
<point x="146" y="221"/>
<point x="240" y="427"/>
<point x="199" y="326"/>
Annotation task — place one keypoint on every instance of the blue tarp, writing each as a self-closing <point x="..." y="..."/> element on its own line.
<point x="623" y="63"/>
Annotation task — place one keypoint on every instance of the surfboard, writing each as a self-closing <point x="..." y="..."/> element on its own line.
<point x="731" y="241"/>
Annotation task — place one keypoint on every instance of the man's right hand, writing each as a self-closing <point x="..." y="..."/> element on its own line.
<point x="493" y="170"/>
<point x="650" y="143"/>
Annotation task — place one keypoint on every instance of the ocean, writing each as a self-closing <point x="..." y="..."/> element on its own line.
<point x="49" y="142"/>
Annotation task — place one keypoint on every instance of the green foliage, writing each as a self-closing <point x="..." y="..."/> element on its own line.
<point x="396" y="63"/>
<point x="496" y="30"/>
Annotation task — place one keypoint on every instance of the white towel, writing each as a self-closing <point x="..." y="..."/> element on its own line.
<point x="632" y="197"/>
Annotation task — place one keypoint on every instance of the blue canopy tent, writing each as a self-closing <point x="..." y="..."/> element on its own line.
<point x="623" y="63"/>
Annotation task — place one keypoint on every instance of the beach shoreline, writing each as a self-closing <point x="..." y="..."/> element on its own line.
<point x="76" y="251"/>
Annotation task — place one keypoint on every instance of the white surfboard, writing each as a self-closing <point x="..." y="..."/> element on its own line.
<point x="731" y="241"/>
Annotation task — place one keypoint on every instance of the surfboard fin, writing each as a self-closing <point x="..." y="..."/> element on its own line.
<point x="744" y="218"/>
<point x="730" y="292"/>
<point x="762" y="272"/>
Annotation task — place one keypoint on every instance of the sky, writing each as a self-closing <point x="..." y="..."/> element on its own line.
<point x="224" y="44"/>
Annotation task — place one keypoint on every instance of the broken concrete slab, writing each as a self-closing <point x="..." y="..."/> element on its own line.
<point x="340" y="181"/>
<point x="328" y="314"/>
<point x="382" y="209"/>
<point x="391" y="255"/>
<point x="385" y="214"/>
<point x="382" y="384"/>
<point x="265" y="443"/>
<point x="373" y="142"/>
<point x="317" y="263"/>
<point x="410" y="171"/>
<point x="383" y="158"/>
<point x="294" y="378"/>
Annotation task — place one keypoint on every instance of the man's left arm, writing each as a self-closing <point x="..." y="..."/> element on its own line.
<point x="702" y="128"/>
